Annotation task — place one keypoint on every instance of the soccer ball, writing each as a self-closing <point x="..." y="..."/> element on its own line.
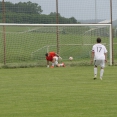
<point x="70" y="58"/>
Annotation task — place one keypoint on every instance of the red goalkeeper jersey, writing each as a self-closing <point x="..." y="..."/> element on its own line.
<point x="50" y="56"/>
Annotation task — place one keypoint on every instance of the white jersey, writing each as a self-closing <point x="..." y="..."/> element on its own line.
<point x="99" y="51"/>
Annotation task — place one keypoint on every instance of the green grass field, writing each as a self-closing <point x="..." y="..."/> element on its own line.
<point x="58" y="92"/>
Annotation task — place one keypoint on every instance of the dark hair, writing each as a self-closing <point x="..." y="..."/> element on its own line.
<point x="98" y="40"/>
<point x="46" y="54"/>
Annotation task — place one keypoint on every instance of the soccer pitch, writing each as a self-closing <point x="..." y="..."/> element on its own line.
<point x="58" y="92"/>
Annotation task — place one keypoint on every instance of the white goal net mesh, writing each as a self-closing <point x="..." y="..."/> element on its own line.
<point x="26" y="45"/>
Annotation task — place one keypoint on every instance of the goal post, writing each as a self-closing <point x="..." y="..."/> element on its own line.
<point x="26" y="44"/>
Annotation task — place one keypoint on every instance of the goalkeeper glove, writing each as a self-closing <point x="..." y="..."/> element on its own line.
<point x="60" y="58"/>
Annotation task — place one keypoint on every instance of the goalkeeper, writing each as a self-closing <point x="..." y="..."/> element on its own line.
<point x="53" y="58"/>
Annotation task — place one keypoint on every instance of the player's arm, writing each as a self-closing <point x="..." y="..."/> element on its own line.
<point x="58" y="56"/>
<point x="105" y="57"/>
<point x="105" y="53"/>
<point x="92" y="56"/>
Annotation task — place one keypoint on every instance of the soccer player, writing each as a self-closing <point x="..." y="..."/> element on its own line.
<point x="99" y="55"/>
<point x="53" y="57"/>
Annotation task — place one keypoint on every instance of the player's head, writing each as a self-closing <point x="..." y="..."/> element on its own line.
<point x="98" y="40"/>
<point x="46" y="54"/>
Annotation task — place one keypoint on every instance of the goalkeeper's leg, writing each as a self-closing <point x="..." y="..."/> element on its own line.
<point x="61" y="65"/>
<point x="56" y="62"/>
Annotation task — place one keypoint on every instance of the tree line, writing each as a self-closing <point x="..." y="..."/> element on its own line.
<point x="28" y="12"/>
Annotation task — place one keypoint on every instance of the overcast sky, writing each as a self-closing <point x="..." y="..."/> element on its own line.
<point x="80" y="9"/>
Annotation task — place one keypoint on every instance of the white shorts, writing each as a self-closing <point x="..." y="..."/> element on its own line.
<point x="56" y="60"/>
<point x="100" y="63"/>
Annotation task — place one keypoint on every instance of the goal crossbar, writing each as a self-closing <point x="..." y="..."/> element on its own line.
<point x="13" y="24"/>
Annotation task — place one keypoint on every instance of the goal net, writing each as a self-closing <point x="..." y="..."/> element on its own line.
<point x="26" y="44"/>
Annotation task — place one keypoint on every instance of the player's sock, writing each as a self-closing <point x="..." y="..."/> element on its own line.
<point x="53" y="64"/>
<point x="62" y="65"/>
<point x="101" y="73"/>
<point x="95" y="72"/>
